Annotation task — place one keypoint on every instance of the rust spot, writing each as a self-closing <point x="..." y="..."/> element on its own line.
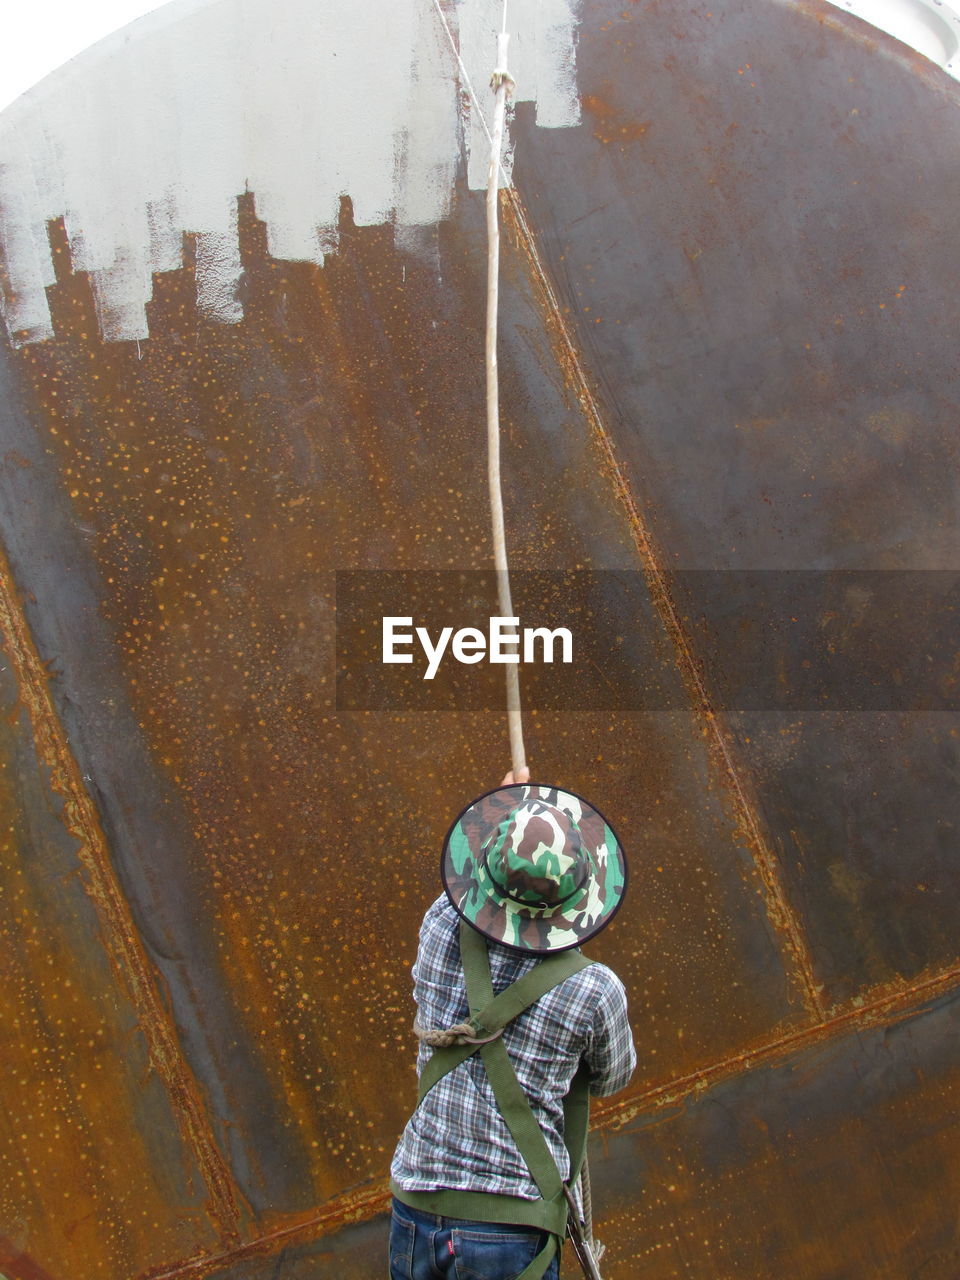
<point x="610" y="125"/>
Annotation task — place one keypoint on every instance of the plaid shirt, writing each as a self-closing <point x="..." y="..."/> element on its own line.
<point x="457" y="1137"/>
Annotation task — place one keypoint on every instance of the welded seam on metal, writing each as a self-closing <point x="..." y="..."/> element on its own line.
<point x="344" y="1211"/>
<point x="884" y="1011"/>
<point x="858" y="1014"/>
<point x="781" y="914"/>
<point x="128" y="958"/>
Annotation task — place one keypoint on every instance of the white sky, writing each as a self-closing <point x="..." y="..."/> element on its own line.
<point x="40" y="37"/>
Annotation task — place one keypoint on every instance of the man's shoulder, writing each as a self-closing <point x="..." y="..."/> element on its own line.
<point x="438" y="934"/>
<point x="599" y="986"/>
<point x="602" y="973"/>
<point x="439" y="914"/>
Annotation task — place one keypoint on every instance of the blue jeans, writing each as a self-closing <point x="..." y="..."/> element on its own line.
<point x="424" y="1246"/>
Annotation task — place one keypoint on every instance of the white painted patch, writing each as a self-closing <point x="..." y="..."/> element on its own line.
<point x="155" y="132"/>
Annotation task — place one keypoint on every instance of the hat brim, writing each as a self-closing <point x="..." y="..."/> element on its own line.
<point x="477" y="897"/>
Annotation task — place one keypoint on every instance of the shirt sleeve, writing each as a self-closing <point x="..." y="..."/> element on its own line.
<point x="611" y="1056"/>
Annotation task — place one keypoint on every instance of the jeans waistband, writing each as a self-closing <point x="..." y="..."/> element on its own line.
<point x="439" y="1223"/>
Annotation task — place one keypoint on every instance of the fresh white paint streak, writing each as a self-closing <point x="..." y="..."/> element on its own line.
<point x="155" y="131"/>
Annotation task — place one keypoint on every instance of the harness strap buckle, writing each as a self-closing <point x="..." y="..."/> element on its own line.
<point x="480" y="1038"/>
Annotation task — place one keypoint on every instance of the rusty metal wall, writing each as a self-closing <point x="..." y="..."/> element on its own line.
<point x="714" y="357"/>
<point x="772" y="330"/>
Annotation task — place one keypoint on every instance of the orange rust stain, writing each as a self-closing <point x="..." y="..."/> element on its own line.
<point x="222" y="475"/>
<point x="610" y="125"/>
<point x="127" y="956"/>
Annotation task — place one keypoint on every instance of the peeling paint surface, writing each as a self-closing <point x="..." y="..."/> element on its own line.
<point x="155" y="131"/>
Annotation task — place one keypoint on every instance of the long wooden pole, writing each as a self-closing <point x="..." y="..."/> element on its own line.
<point x="500" y="83"/>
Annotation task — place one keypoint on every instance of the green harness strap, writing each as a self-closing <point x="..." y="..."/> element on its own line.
<point x="489" y="1014"/>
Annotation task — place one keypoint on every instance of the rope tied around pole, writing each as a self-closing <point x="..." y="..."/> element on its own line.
<point x="586" y="1193"/>
<point x="501" y="78"/>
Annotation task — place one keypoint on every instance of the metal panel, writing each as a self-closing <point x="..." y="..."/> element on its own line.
<point x="841" y="1162"/>
<point x="753" y="220"/>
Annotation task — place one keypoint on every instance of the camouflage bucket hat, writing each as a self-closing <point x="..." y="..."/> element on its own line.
<point x="533" y="867"/>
